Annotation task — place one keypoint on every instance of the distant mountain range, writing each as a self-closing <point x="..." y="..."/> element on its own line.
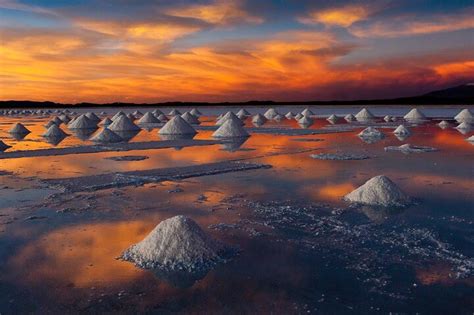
<point x="458" y="95"/>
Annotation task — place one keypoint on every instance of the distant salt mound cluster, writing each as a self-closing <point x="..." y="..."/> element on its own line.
<point x="464" y="116"/>
<point x="177" y="126"/>
<point x="414" y="114"/>
<point x="230" y="129"/>
<point x="178" y="244"/>
<point x="379" y="191"/>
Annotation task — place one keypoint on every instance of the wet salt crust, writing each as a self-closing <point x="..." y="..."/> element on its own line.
<point x="178" y="244"/>
<point x="339" y="156"/>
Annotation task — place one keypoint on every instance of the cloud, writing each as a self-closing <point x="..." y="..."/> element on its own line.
<point x="409" y="25"/>
<point x="15" y="5"/>
<point x="220" y="12"/>
<point x="343" y="16"/>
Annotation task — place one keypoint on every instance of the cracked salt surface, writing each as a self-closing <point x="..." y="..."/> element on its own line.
<point x="369" y="249"/>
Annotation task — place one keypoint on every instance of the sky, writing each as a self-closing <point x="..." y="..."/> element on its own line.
<point x="232" y="50"/>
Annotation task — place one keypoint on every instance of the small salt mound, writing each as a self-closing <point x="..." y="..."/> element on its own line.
<point x="387" y="118"/>
<point x="177" y="126"/>
<point x="402" y="130"/>
<point x="470" y="139"/>
<point x="162" y="118"/>
<point x="364" y="114"/>
<point x="278" y="117"/>
<point x="394" y="118"/>
<point x="464" y="126"/>
<point x="137" y="113"/>
<point x="57" y="121"/>
<point x="271" y="113"/>
<point x="157" y="113"/>
<point x="333" y="118"/>
<point x="93" y="117"/>
<point x="117" y="115"/>
<point x="176" y="244"/>
<point x="4" y="146"/>
<point x="242" y="112"/>
<point x="105" y="122"/>
<point x="371" y="132"/>
<point x="414" y="114"/>
<point x="464" y="115"/>
<point x="298" y="116"/>
<point x="174" y="112"/>
<point x="190" y="118"/>
<point x="102" y="113"/>
<point x="408" y="148"/>
<point x="379" y="191"/>
<point x="443" y="124"/>
<point x="148" y="118"/>
<point x="82" y="122"/>
<point x="230" y="129"/>
<point x="18" y="128"/>
<point x="305" y="121"/>
<point x="54" y="132"/>
<point x="123" y="123"/>
<point x="259" y="119"/>
<point x="106" y="136"/>
<point x="349" y="117"/>
<point x="290" y="115"/>
<point x="307" y="112"/>
<point x="131" y="117"/>
<point x="195" y="112"/>
<point x="227" y="116"/>
<point x="64" y="118"/>
<point x="49" y="123"/>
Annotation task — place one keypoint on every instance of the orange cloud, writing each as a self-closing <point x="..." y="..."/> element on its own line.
<point x="408" y="25"/>
<point x="221" y="12"/>
<point x="340" y="16"/>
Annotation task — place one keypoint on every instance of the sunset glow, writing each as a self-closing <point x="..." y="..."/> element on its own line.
<point x="231" y="50"/>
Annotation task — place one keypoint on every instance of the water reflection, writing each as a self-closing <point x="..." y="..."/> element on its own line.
<point x="127" y="136"/>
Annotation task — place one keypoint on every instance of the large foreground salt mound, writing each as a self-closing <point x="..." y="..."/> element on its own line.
<point x="177" y="126"/>
<point x="230" y="129"/>
<point x="176" y="244"/>
<point x="379" y="191"/>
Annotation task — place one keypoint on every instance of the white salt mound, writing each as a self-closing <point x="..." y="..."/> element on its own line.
<point x="298" y="116"/>
<point x="106" y="136"/>
<point x="123" y="123"/>
<point x="64" y="118"/>
<point x="278" y="117"/>
<point x="470" y="139"/>
<point x="364" y="114"/>
<point x="230" y="129"/>
<point x="464" y="126"/>
<point x="174" y="112"/>
<point x="117" y="115"/>
<point x="82" y="122"/>
<point x="259" y="119"/>
<point x="162" y="118"/>
<point x="18" y="128"/>
<point x="190" y="118"/>
<point x="332" y="118"/>
<point x="271" y="113"/>
<point x="195" y="112"/>
<point x="177" y="244"/>
<point x="54" y="132"/>
<point x="137" y="113"/>
<point x="148" y="118"/>
<point x="305" y="120"/>
<point x="379" y="191"/>
<point x="157" y="112"/>
<point x="243" y="112"/>
<point x="349" y="117"/>
<point x="402" y="130"/>
<point x="49" y="123"/>
<point x="105" y="122"/>
<point x="57" y="121"/>
<point x="414" y="114"/>
<point x="307" y="112"/>
<point x="229" y="116"/>
<point x="464" y="115"/>
<point x="387" y="118"/>
<point x="443" y="124"/>
<point x="371" y="132"/>
<point x="177" y="126"/>
<point x="290" y="115"/>
<point x="92" y="117"/>
<point x="408" y="148"/>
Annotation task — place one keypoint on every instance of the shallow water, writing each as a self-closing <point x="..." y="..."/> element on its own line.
<point x="302" y="248"/>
